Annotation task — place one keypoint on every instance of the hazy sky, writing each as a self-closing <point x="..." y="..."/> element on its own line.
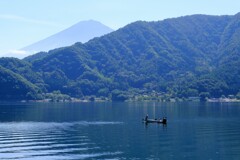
<point x="24" y="22"/>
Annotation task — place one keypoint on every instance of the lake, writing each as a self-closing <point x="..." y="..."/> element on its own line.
<point x="109" y="130"/>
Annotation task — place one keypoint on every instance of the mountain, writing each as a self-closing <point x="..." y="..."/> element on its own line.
<point x="80" y="32"/>
<point x="183" y="57"/>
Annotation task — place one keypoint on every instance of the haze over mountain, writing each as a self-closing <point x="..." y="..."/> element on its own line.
<point x="80" y="32"/>
<point x="182" y="57"/>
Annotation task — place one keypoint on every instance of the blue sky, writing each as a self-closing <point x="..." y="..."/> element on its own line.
<point x="24" y="22"/>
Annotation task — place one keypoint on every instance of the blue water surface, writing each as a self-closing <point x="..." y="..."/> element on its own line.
<point x="109" y="130"/>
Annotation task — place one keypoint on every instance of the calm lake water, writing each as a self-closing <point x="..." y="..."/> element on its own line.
<point x="72" y="131"/>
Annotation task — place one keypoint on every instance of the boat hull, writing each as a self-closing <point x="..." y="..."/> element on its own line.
<point x="163" y="121"/>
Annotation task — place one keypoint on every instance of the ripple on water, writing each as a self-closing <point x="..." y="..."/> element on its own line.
<point x="50" y="140"/>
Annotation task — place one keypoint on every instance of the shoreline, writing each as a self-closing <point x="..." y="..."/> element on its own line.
<point x="210" y="100"/>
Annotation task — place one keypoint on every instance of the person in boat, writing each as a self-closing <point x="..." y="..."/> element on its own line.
<point x="146" y="118"/>
<point x="164" y="120"/>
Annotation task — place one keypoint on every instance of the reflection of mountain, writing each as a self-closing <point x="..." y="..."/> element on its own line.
<point x="80" y="32"/>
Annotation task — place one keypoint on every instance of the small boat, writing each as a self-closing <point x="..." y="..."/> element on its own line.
<point x="163" y="121"/>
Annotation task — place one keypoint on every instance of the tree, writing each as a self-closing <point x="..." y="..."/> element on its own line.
<point x="204" y="95"/>
<point x="238" y="95"/>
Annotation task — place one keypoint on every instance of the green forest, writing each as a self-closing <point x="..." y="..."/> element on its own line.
<point x="180" y="58"/>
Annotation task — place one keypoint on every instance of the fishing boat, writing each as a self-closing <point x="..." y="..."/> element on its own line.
<point x="163" y="121"/>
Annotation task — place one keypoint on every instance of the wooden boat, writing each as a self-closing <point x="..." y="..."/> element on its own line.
<point x="163" y="121"/>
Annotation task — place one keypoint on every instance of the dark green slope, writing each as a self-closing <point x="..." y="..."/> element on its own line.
<point x="21" y="67"/>
<point x="229" y="58"/>
<point x="15" y="87"/>
<point x="71" y="71"/>
<point x="24" y="69"/>
<point x="175" y="44"/>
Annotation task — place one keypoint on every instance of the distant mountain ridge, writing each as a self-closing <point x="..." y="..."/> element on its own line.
<point x="80" y="32"/>
<point x="191" y="56"/>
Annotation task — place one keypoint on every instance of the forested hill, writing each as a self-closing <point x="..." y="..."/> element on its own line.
<point x="189" y="56"/>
